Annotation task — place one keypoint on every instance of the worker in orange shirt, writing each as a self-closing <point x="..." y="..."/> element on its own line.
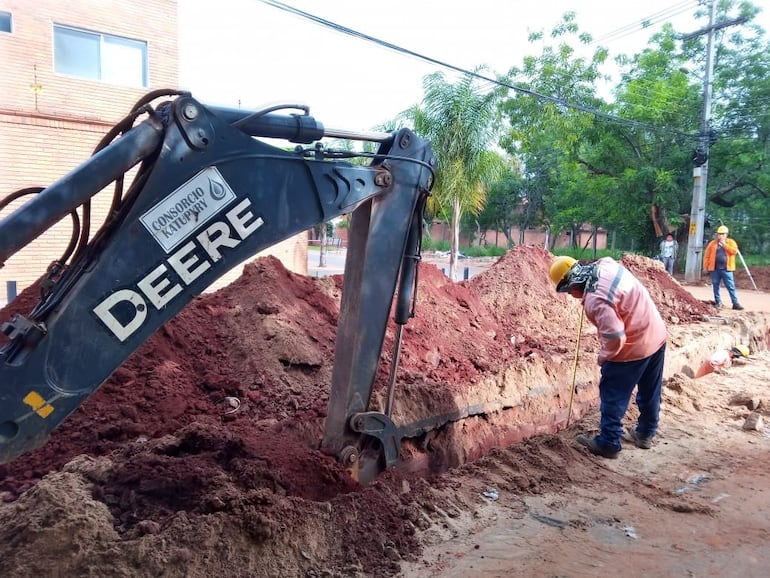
<point x="633" y="338"/>
<point x="719" y="262"/>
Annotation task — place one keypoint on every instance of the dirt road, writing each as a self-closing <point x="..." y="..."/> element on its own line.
<point x="158" y="475"/>
<point x="696" y="504"/>
<point x="750" y="299"/>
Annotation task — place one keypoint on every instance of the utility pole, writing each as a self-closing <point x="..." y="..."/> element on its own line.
<point x="700" y="173"/>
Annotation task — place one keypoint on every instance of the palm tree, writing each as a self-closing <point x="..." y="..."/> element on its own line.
<point x="458" y="120"/>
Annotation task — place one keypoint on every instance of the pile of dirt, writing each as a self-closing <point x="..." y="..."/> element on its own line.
<point x="201" y="450"/>
<point x="674" y="303"/>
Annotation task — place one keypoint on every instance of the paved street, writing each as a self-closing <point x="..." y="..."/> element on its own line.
<point x="335" y="264"/>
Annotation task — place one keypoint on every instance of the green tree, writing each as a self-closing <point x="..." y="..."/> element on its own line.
<point x="458" y="119"/>
<point x="644" y="162"/>
<point x="549" y="113"/>
<point x="505" y="206"/>
<point x="661" y="93"/>
<point x="650" y="158"/>
<point x="624" y="166"/>
<point x="739" y="158"/>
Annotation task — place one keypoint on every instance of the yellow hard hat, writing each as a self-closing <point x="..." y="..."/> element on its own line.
<point x="740" y="350"/>
<point x="559" y="269"/>
<point x="722" y="229"/>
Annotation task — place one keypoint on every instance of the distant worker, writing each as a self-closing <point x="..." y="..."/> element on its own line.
<point x="719" y="262"/>
<point x="721" y="359"/>
<point x="633" y="337"/>
<point x="668" y="250"/>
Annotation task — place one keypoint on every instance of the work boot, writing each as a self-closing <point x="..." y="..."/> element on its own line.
<point x="633" y="436"/>
<point x="718" y="305"/>
<point x="737" y="306"/>
<point x="594" y="447"/>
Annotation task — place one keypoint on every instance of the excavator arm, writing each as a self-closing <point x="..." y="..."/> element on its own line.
<point x="210" y="192"/>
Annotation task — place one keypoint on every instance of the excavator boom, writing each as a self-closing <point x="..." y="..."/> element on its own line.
<point x="210" y="193"/>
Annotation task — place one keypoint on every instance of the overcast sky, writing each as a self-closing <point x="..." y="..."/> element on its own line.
<point x="250" y="54"/>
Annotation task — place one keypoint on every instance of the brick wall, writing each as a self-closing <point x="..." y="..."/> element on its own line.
<point x="440" y="231"/>
<point x="28" y="82"/>
<point x="51" y="123"/>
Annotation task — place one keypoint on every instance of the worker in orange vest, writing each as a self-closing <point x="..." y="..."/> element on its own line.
<point x="719" y="262"/>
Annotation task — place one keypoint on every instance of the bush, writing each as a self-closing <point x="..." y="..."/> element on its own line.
<point x="617" y="254"/>
<point x="753" y="260"/>
<point x="442" y="246"/>
<point x="490" y="251"/>
<point x="588" y="254"/>
<point x="429" y="244"/>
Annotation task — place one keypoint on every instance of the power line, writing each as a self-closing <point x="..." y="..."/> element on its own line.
<point x="647" y="22"/>
<point x="440" y="63"/>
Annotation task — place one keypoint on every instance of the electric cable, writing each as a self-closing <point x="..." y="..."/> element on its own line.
<point x="645" y="23"/>
<point x="498" y="82"/>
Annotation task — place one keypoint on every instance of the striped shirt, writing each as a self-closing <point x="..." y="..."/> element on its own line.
<point x="628" y="322"/>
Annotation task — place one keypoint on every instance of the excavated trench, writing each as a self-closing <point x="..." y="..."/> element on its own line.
<point x="239" y="380"/>
<point x="200" y="453"/>
<point x="535" y="398"/>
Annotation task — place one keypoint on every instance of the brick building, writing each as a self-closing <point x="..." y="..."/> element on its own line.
<point x="68" y="72"/>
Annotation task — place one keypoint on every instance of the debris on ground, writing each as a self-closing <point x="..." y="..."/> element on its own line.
<point x="200" y="452"/>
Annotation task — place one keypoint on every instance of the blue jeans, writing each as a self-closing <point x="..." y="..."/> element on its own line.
<point x="726" y="277"/>
<point x="615" y="386"/>
<point x="668" y="263"/>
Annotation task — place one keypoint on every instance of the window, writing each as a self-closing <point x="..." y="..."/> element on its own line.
<point x="100" y="57"/>
<point x="5" y="22"/>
